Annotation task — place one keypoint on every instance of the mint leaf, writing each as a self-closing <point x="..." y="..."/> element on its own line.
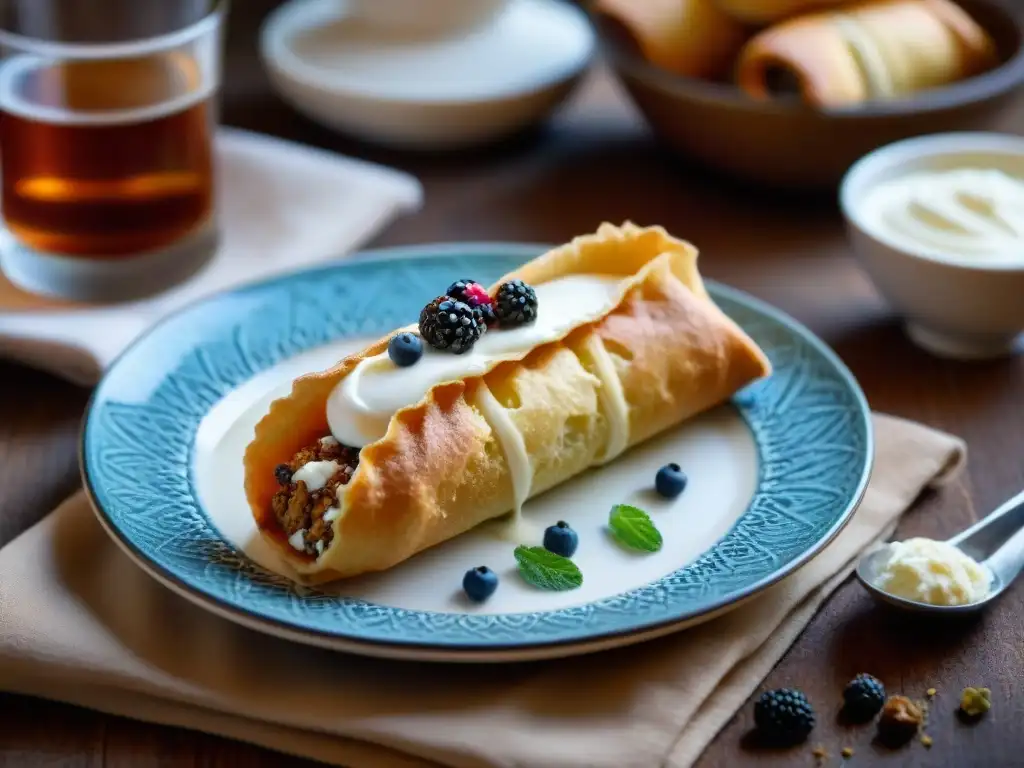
<point x="546" y="570"/>
<point x="633" y="527"/>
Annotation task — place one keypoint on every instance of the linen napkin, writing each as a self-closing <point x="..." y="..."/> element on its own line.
<point x="282" y="206"/>
<point x="81" y="623"/>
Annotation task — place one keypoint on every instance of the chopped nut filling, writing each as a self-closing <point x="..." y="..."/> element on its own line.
<point x="303" y="513"/>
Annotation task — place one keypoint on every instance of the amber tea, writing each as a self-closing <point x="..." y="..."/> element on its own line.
<point x="105" y="158"/>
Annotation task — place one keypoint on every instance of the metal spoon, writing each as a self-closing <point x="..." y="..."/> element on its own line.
<point x="996" y="541"/>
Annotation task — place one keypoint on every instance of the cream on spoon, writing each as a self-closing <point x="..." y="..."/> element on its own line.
<point x="995" y="543"/>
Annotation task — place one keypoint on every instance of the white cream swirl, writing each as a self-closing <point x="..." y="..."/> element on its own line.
<point x="964" y="212"/>
<point x="360" y="408"/>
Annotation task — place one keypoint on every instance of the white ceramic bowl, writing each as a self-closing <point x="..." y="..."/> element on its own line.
<point x="426" y="90"/>
<point x="953" y="307"/>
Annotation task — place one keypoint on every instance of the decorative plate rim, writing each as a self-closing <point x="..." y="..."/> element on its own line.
<point x="495" y="650"/>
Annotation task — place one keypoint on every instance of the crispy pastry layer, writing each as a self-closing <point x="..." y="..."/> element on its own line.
<point x="441" y="470"/>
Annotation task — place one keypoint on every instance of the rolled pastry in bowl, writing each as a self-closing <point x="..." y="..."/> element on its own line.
<point x="875" y="50"/>
<point x="366" y="464"/>
<point x="693" y="38"/>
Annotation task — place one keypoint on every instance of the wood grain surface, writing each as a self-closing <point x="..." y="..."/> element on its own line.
<point x="596" y="162"/>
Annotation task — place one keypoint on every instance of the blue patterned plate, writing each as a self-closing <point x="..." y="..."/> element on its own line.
<point x="773" y="477"/>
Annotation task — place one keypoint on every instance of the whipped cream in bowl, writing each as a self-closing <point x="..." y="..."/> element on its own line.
<point x="937" y="223"/>
<point x="974" y="213"/>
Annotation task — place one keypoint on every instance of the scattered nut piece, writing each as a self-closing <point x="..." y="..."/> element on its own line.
<point x="847" y="752"/>
<point x="976" y="701"/>
<point x="900" y="719"/>
<point x="931" y="693"/>
<point x="927" y="741"/>
<point x="820" y="753"/>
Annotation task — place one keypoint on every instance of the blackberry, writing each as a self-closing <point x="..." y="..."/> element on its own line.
<point x="485" y="317"/>
<point x="864" y="697"/>
<point x="283" y="474"/>
<point x="448" y="324"/>
<point x="784" y="715"/>
<point x="475" y="295"/>
<point x="468" y="292"/>
<point x="515" y="303"/>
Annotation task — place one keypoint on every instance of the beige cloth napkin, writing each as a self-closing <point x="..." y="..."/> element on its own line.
<point x="81" y="623"/>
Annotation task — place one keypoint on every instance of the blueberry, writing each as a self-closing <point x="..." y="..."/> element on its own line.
<point x="283" y="473"/>
<point x="670" y="481"/>
<point x="480" y="583"/>
<point x="561" y="539"/>
<point x="405" y="349"/>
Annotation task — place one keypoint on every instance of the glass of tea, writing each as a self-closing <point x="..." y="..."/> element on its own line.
<point x="107" y="118"/>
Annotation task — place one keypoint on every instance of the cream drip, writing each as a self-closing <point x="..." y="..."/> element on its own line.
<point x="360" y="408"/>
<point x="512" y="445"/>
<point x="612" y="398"/>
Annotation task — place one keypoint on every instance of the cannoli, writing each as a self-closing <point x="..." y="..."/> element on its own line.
<point x="497" y="395"/>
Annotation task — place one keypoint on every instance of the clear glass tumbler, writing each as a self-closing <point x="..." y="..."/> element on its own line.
<point x="108" y="110"/>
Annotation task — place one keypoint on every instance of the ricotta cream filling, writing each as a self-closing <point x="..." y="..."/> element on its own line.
<point x="360" y="408"/>
<point x="315" y="474"/>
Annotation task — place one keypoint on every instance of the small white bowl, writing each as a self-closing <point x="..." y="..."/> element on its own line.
<point x="426" y="89"/>
<point x="954" y="307"/>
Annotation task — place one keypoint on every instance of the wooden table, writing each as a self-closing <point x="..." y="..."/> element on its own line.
<point x="597" y="162"/>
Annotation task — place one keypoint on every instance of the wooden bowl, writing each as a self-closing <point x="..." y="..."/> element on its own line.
<point x="784" y="143"/>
